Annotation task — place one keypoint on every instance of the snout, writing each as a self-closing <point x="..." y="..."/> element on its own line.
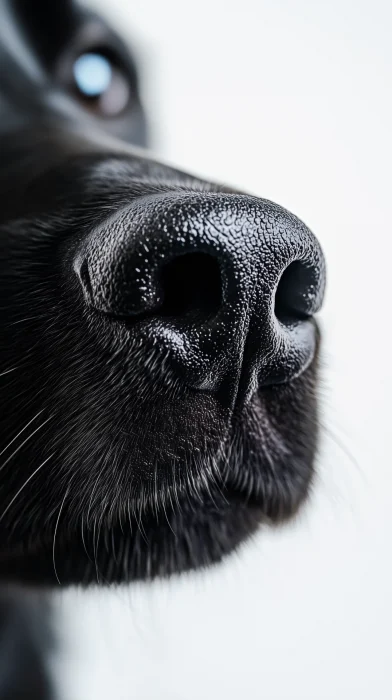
<point x="224" y="284"/>
<point x="147" y="316"/>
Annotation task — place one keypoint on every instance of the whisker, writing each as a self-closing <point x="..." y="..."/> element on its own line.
<point x="7" y="371"/>
<point x="95" y="546"/>
<point x="343" y="447"/>
<point x="55" y="533"/>
<point x="23" y="320"/>
<point x="20" y="431"/>
<point x="83" y="539"/>
<point x="25" y="484"/>
<point x="24" y="442"/>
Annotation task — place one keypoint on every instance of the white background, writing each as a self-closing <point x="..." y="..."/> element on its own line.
<point x="292" y="101"/>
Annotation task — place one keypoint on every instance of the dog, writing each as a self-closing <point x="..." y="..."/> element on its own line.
<point x="159" y="355"/>
<point x="159" y="361"/>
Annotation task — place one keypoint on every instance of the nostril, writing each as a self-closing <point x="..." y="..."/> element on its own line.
<point x="296" y="292"/>
<point x="191" y="284"/>
<point x="85" y="279"/>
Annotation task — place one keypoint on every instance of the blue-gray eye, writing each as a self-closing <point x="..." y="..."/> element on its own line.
<point x="101" y="84"/>
<point x="92" y="74"/>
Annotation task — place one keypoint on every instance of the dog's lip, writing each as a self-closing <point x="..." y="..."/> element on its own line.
<point x="239" y="505"/>
<point x="23" y="555"/>
<point x="234" y="495"/>
<point x="36" y="564"/>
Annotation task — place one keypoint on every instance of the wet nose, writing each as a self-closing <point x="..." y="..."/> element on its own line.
<point x="224" y="284"/>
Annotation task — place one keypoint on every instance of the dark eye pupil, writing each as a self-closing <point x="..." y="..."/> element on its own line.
<point x="92" y="74"/>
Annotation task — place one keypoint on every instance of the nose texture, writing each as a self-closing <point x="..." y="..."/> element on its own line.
<point x="225" y="284"/>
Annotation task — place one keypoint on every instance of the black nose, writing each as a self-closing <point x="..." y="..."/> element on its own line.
<point x="224" y="284"/>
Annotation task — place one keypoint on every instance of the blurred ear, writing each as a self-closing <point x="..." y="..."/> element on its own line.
<point x="46" y="24"/>
<point x="51" y="12"/>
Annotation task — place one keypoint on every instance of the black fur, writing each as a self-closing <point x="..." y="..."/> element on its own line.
<point x="116" y="462"/>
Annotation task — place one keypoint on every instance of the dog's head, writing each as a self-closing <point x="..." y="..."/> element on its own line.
<point x="159" y="353"/>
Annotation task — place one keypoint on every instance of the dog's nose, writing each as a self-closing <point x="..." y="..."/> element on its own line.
<point x="224" y="285"/>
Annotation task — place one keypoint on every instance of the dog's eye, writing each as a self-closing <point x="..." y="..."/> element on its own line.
<point x="101" y="84"/>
